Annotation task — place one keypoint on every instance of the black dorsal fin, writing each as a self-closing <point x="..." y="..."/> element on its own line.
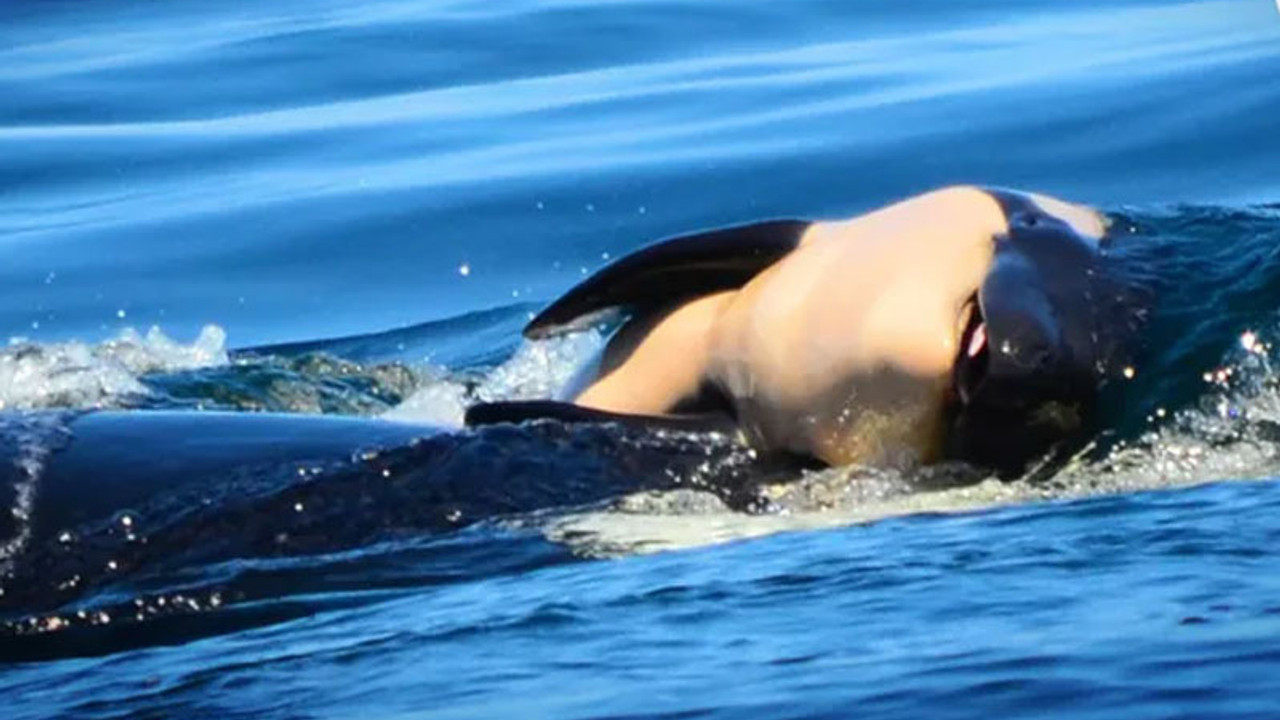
<point x="669" y="271"/>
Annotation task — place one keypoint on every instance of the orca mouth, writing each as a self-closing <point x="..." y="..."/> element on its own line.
<point x="974" y="360"/>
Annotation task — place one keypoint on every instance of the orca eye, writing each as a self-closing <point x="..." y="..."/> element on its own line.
<point x="1028" y="220"/>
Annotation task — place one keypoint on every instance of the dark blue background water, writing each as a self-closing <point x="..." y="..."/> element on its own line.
<point x="303" y="171"/>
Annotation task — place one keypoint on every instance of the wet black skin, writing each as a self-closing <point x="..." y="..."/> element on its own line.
<point x="1031" y="394"/>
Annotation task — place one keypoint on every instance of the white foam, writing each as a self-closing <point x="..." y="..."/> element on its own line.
<point x="441" y="401"/>
<point x="78" y="375"/>
<point x="157" y="352"/>
<point x="538" y="369"/>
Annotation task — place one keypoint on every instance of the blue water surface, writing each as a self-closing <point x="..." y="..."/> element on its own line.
<point x="294" y="171"/>
<point x="413" y="177"/>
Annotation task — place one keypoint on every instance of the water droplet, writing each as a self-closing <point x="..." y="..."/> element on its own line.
<point x="464" y="269"/>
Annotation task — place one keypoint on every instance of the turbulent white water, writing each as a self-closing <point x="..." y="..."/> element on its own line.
<point x="112" y="374"/>
<point x="539" y="369"/>
<point x="79" y="375"/>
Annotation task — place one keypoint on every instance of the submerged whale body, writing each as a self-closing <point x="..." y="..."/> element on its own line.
<point x="966" y="323"/>
<point x="119" y="502"/>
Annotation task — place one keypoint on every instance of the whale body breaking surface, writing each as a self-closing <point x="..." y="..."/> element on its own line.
<point x="962" y="324"/>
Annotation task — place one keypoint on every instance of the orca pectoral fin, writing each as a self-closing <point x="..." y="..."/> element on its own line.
<point x="668" y="272"/>
<point x="519" y="411"/>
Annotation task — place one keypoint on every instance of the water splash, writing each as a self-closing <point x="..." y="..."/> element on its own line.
<point x="538" y="369"/>
<point x="1230" y="433"/>
<point x="79" y="375"/>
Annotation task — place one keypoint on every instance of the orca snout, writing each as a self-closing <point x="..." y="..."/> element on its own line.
<point x="1033" y="380"/>
<point x="1029" y="352"/>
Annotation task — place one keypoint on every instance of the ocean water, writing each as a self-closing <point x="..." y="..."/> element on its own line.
<point x="259" y="257"/>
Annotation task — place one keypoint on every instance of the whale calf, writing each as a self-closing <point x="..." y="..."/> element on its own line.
<point x="967" y="323"/>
